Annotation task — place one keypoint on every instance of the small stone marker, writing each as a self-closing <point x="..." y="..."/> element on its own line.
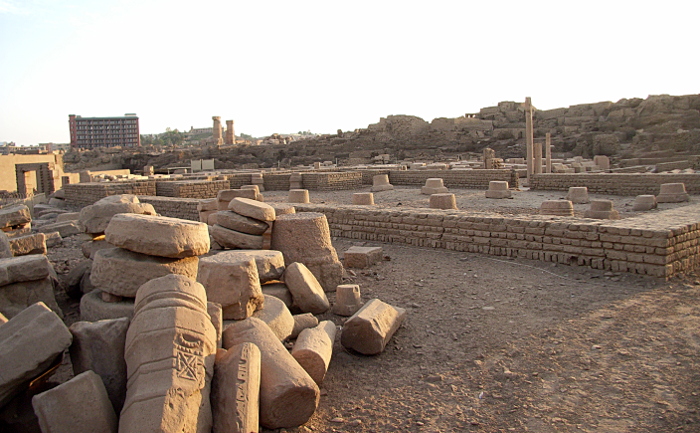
<point x="306" y="291"/>
<point x="158" y="236"/>
<point x="298" y="196"/>
<point x="80" y="405"/>
<point x="498" y="189"/>
<point x="644" y="202"/>
<point x="443" y="201"/>
<point x="347" y="300"/>
<point x="288" y="395"/>
<point x="362" y="257"/>
<point x="314" y="348"/>
<point x="578" y="195"/>
<point x="380" y="182"/>
<point x="370" y="329"/>
<point x="602" y="209"/>
<point x="363" y="199"/>
<point x="236" y="389"/>
<point x="433" y="185"/>
<point x="557" y="207"/>
<point x="672" y="193"/>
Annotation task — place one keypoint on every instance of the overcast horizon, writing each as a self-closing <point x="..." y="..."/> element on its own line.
<point x="283" y="67"/>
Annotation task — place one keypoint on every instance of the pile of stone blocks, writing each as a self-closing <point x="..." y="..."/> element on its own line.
<point x="24" y="281"/>
<point x="15" y="220"/>
<point x="243" y="225"/>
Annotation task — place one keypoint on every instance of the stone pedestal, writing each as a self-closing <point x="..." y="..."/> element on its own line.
<point x="603" y="210"/>
<point x="672" y="193"/>
<point x="443" y="201"/>
<point x="380" y="182"/>
<point x="363" y="198"/>
<point x="557" y="207"/>
<point x="498" y="189"/>
<point x="578" y="195"/>
<point x="644" y="202"/>
<point x="347" y="300"/>
<point x="432" y="186"/>
<point x="602" y="161"/>
<point x="298" y="196"/>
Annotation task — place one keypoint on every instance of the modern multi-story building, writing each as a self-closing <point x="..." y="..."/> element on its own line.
<point x="92" y="132"/>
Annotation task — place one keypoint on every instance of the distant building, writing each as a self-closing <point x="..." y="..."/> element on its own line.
<point x="93" y="132"/>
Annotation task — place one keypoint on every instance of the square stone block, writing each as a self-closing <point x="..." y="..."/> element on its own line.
<point x="362" y="257"/>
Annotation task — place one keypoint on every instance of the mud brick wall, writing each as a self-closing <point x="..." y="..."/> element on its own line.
<point x="237" y="180"/>
<point x="276" y="181"/>
<point x="331" y="181"/>
<point x="661" y="244"/>
<point x="173" y="207"/>
<point x="478" y="179"/>
<point x="632" y="169"/>
<point x="616" y="183"/>
<point x="84" y="194"/>
<point x="191" y="188"/>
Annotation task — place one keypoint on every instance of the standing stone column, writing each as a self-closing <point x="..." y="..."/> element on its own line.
<point x="529" y="136"/>
<point x="230" y="134"/>
<point x="489" y="155"/>
<point x="538" y="158"/>
<point x="548" y="153"/>
<point x="218" y="140"/>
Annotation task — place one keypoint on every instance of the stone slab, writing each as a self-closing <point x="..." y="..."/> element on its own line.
<point x="369" y="330"/>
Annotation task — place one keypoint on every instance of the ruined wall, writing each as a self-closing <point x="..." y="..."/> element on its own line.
<point x="629" y="184"/>
<point x="184" y="208"/>
<point x="333" y="181"/>
<point x="84" y="194"/>
<point x="660" y="244"/>
<point x="478" y="179"/>
<point x="191" y="188"/>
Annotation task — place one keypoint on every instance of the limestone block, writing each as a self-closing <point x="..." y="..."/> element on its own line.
<point x="314" y="348"/>
<point x="363" y="199"/>
<point x="68" y="216"/>
<point x="240" y="223"/>
<point x="235" y="390"/>
<point x="93" y="308"/>
<point x="53" y="239"/>
<point x="557" y="207"/>
<point x="158" y="236"/>
<point x="77" y="406"/>
<point x="306" y="291"/>
<point x="347" y="300"/>
<point x="209" y="204"/>
<point x="5" y="247"/>
<point x="578" y="195"/>
<point x="644" y="202"/>
<point x="17" y="231"/>
<point x="99" y="346"/>
<point x="29" y="344"/>
<point x="225" y="196"/>
<point x="283" y="208"/>
<point x="602" y="209"/>
<point x="305" y="238"/>
<point x="16" y="297"/>
<point x="232" y="281"/>
<point x="121" y="272"/>
<point x="288" y="395"/>
<point x="362" y="257"/>
<point x="298" y="196"/>
<point x="370" y="329"/>
<point x="30" y="244"/>
<point x="279" y="291"/>
<point x="301" y="322"/>
<point x="498" y="189"/>
<point x="433" y="185"/>
<point x="95" y="218"/>
<point x="232" y="239"/>
<point x="25" y="268"/>
<point x="170" y="350"/>
<point x="277" y="316"/>
<point x="217" y="319"/>
<point x="270" y="263"/>
<point x="672" y="193"/>
<point x="443" y="201"/>
<point x="380" y="182"/>
<point x="65" y="228"/>
<point x="89" y="248"/>
<point x="14" y="215"/>
<point x="252" y="208"/>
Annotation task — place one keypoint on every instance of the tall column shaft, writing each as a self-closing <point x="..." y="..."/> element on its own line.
<point x="548" y="153"/>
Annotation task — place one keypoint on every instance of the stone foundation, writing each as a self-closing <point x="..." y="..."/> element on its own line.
<point x="616" y="183"/>
<point x="84" y="194"/>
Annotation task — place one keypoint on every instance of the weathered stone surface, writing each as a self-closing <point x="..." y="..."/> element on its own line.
<point x="16" y="297"/>
<point x="578" y="195"/>
<point x="5" y="247"/>
<point x="53" y="239"/>
<point x="305" y="238"/>
<point x="225" y="196"/>
<point x="208" y="204"/>
<point x="240" y="223"/>
<point x="279" y="291"/>
<point x="370" y="329"/>
<point x="29" y="343"/>
<point x="14" y="215"/>
<point x="277" y="316"/>
<point x="236" y="389"/>
<point x="283" y="208"/>
<point x="498" y="189"/>
<point x="232" y="239"/>
<point x="99" y="346"/>
<point x="380" y="182"/>
<point x="170" y="350"/>
<point x="363" y="199"/>
<point x="347" y="300"/>
<point x="298" y="196"/>
<point x="118" y="198"/>
<point x="71" y="281"/>
<point x="602" y="209"/>
<point x="65" y="228"/>
<point x="30" y="244"/>
<point x="77" y="406"/>
<point x="306" y="291"/>
<point x="362" y="257"/>
<point x="314" y="348"/>
<point x="288" y="395"/>
<point x="95" y="218"/>
<point x="158" y="236"/>
<point x="644" y="202"/>
<point x="443" y="201"/>
<point x="89" y="248"/>
<point x="93" y="308"/>
<point x="433" y="185"/>
<point x="121" y="272"/>
<point x="557" y="207"/>
<point x="252" y="208"/>
<point x="672" y="193"/>
<point x="301" y="322"/>
<point x="25" y="268"/>
<point x="270" y="263"/>
<point x="217" y="319"/>
<point x="232" y="281"/>
<point x="68" y="216"/>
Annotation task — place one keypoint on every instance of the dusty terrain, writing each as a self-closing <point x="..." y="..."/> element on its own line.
<point x="492" y="344"/>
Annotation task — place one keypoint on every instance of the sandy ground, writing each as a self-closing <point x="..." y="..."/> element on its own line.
<point x="497" y="345"/>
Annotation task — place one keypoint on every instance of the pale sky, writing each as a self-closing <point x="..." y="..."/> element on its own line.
<point x="286" y="66"/>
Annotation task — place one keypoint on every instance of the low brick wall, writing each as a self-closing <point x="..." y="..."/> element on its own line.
<point x="237" y="180"/>
<point x="84" y="194"/>
<point x="331" y="181"/>
<point x="184" y="208"/>
<point x="478" y="179"/>
<point x="191" y="188"/>
<point x="660" y="244"/>
<point x="616" y="183"/>
<point x="276" y="181"/>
